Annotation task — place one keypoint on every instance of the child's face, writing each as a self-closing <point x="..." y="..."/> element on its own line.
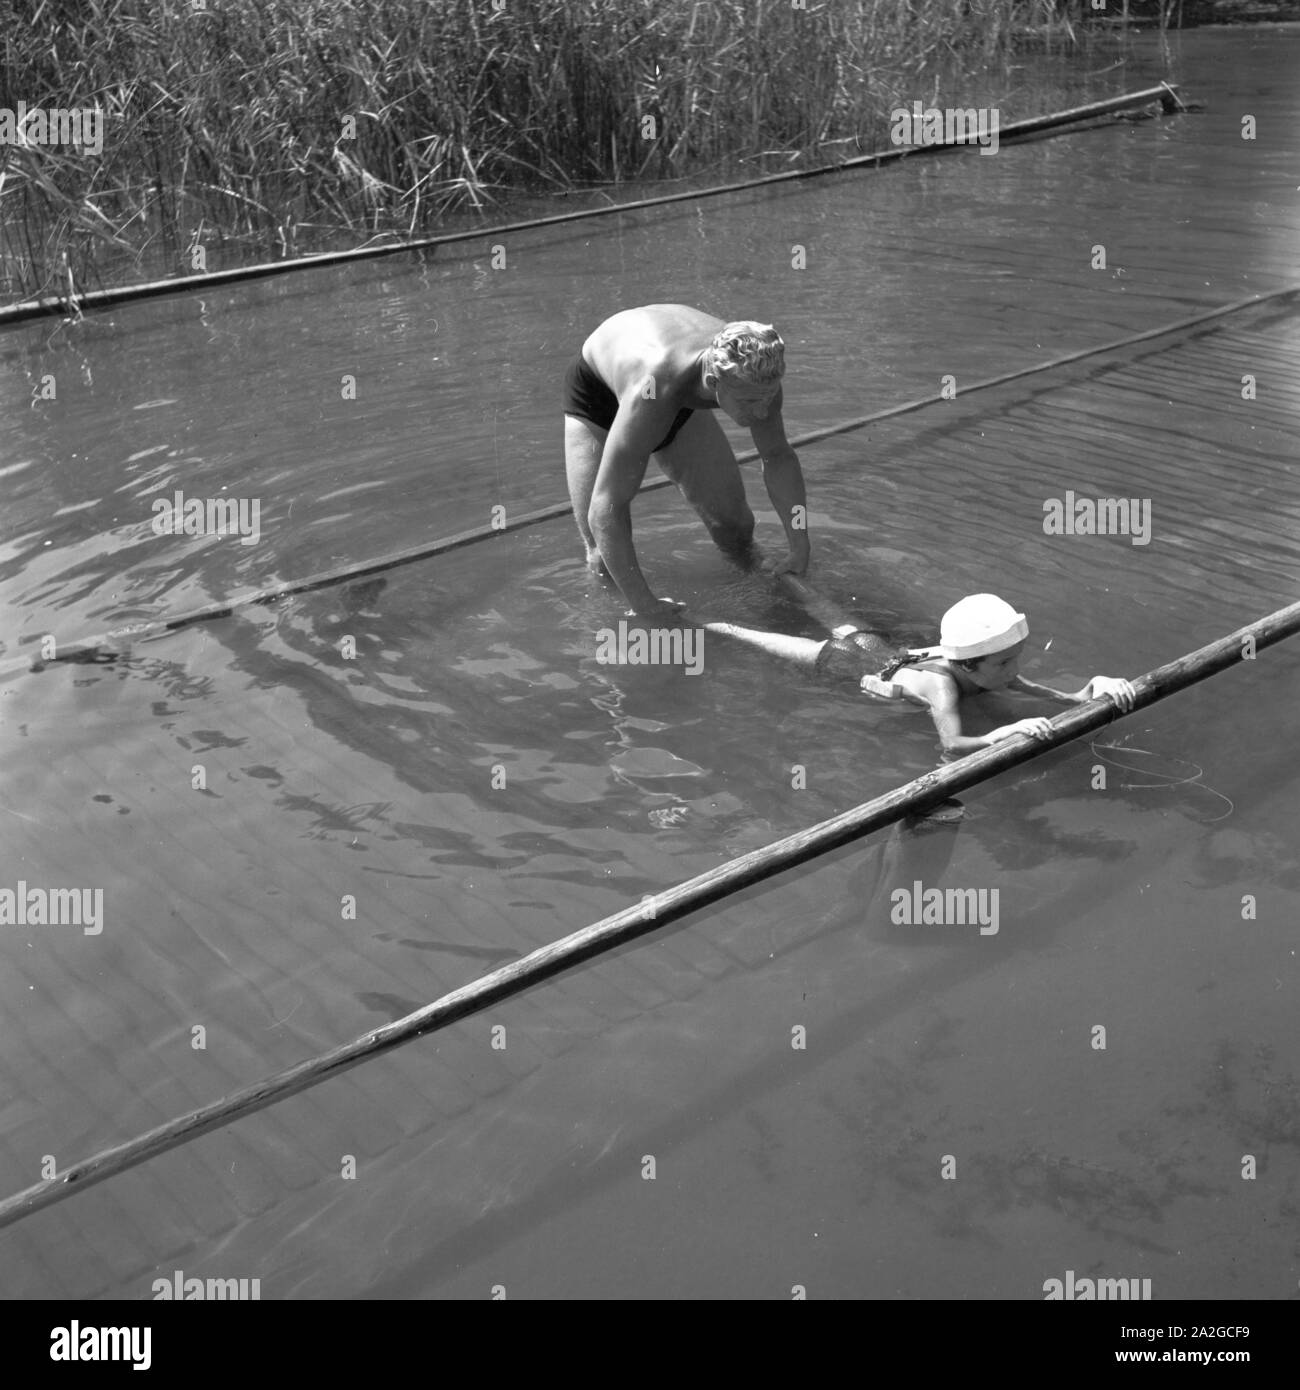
<point x="998" y="670"/>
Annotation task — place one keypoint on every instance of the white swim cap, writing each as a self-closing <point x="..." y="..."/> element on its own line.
<point x="979" y="625"/>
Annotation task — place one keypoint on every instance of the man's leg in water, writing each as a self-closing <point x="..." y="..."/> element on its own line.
<point x="584" y="444"/>
<point x="701" y="463"/>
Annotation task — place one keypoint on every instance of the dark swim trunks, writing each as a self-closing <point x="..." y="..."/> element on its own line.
<point x="587" y="396"/>
<point x="848" y="659"/>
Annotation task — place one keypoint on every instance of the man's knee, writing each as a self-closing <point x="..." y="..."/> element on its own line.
<point x="736" y="534"/>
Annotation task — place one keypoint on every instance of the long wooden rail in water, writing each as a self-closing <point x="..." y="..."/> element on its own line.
<point x="101" y="645"/>
<point x="658" y="911"/>
<point x="1166" y="94"/>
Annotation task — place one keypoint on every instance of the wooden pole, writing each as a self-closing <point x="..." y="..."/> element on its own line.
<point x="122" y="294"/>
<point x="658" y="911"/>
<point x="89" y="649"/>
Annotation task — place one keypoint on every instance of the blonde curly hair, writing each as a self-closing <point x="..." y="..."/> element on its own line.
<point x="746" y="351"/>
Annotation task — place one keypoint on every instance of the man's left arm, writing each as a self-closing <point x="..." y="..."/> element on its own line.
<point x="783" y="478"/>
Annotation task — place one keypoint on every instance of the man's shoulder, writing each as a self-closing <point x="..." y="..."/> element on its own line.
<point x="671" y="319"/>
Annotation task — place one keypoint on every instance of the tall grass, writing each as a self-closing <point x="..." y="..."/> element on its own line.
<point x="232" y="120"/>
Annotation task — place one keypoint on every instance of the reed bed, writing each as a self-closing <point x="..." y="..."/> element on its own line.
<point x="249" y="127"/>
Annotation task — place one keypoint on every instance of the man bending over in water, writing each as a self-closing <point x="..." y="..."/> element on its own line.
<point x="643" y="385"/>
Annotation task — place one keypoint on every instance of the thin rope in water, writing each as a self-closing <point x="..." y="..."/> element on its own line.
<point x="1169" y="783"/>
<point x="91" y="648"/>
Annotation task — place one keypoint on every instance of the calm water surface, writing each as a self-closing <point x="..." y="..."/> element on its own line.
<point x="380" y="778"/>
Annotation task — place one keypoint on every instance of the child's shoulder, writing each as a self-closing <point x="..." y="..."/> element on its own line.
<point x="927" y="678"/>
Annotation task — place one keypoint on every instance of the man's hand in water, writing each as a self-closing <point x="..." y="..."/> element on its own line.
<point x="800" y="553"/>
<point x="1119" y="690"/>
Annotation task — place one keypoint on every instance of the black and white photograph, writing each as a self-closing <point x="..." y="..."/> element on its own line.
<point x="650" y="653"/>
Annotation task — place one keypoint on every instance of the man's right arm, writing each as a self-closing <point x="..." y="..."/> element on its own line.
<point x="622" y="467"/>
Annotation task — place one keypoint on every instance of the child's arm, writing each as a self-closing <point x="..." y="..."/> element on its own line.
<point x="1028" y="687"/>
<point x="1119" y="690"/>
<point x="941" y="694"/>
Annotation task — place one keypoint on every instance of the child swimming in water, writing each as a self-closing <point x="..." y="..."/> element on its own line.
<point x="980" y="642"/>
